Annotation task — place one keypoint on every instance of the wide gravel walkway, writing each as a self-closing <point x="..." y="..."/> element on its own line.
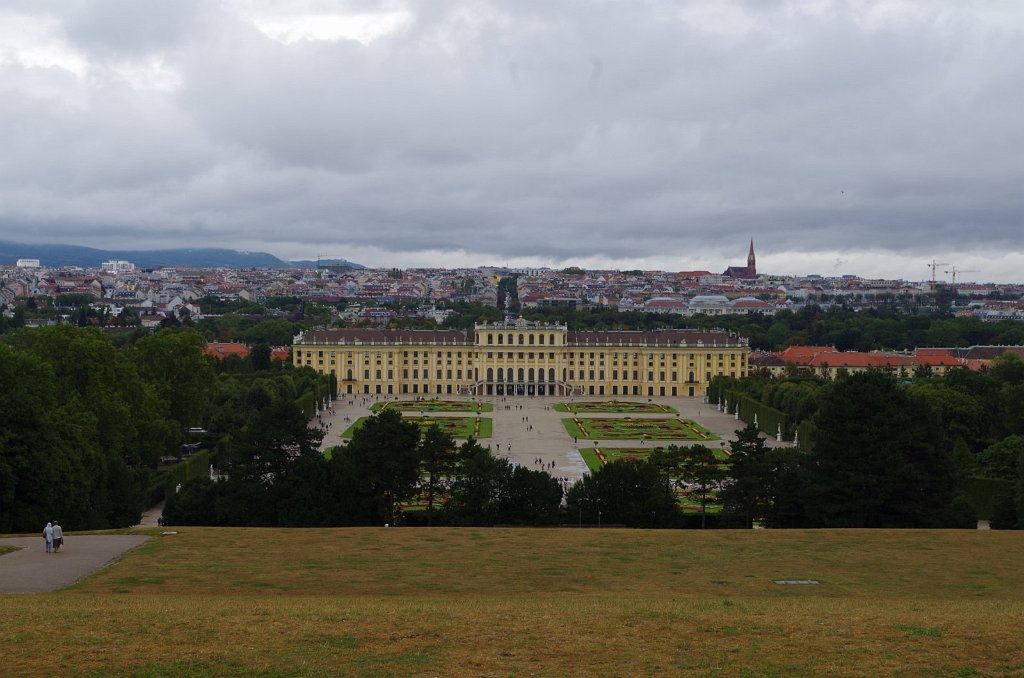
<point x="531" y="428"/>
<point x="31" y="569"/>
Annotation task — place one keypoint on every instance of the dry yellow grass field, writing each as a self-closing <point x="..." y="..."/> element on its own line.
<point x="498" y="602"/>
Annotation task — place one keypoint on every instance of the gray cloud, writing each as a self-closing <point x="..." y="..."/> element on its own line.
<point x="542" y="131"/>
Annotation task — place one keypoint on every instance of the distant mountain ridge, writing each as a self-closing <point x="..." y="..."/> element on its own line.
<point x="336" y="263"/>
<point x="53" y="256"/>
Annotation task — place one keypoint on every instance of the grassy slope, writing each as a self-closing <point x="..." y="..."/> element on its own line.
<point x="543" y="602"/>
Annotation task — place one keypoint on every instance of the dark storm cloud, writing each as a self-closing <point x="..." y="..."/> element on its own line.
<point x="532" y="130"/>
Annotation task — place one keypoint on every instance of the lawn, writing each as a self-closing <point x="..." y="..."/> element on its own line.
<point x="614" y="406"/>
<point x="596" y="457"/>
<point x="554" y="602"/>
<point x="433" y="406"/>
<point x="599" y="428"/>
<point x="456" y="427"/>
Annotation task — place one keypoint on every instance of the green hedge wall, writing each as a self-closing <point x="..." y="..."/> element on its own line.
<point x="985" y="495"/>
<point x="196" y="466"/>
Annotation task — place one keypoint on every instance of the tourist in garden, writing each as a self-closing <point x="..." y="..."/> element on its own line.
<point x="48" y="537"/>
<point x="58" y="536"/>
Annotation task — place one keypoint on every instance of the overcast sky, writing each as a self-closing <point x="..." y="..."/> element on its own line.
<point x="843" y="137"/>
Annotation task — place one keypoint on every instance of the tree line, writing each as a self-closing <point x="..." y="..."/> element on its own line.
<point x="881" y="458"/>
<point x="872" y="329"/>
<point x="84" y="422"/>
<point x="276" y="476"/>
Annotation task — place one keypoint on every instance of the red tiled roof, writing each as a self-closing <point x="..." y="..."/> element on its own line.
<point x="221" y="350"/>
<point x="938" y="360"/>
<point x="857" y="359"/>
<point x="801" y="355"/>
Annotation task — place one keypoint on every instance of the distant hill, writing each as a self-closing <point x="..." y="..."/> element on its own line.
<point x="334" y="263"/>
<point x="89" y="257"/>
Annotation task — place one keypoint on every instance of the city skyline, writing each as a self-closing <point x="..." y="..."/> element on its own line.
<point x="866" y="139"/>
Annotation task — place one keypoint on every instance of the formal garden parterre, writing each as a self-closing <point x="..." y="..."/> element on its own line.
<point x="625" y="428"/>
<point x="614" y="407"/>
<point x="596" y="457"/>
<point x="456" y="427"/>
<point x="433" y="406"/>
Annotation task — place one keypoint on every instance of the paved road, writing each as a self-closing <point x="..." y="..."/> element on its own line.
<point x="32" y="570"/>
<point x="151" y="518"/>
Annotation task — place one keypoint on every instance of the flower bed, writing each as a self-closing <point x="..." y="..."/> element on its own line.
<point x="596" y="457"/>
<point x="614" y="407"/>
<point x="433" y="406"/>
<point x="637" y="429"/>
<point x="456" y="427"/>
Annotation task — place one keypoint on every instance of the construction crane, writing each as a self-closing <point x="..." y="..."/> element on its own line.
<point x="934" y="265"/>
<point x="954" y="270"/>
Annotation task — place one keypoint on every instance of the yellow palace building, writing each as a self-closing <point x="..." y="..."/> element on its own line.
<point x="522" y="358"/>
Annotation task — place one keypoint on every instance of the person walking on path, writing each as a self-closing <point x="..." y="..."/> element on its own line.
<point x="48" y="537"/>
<point x="58" y="537"/>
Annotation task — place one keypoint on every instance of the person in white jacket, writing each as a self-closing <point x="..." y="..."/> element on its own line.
<point x="48" y="537"/>
<point x="58" y="537"/>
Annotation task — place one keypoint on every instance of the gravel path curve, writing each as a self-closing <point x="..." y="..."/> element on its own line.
<point x="31" y="569"/>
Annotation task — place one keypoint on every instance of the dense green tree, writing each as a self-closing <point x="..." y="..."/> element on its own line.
<point x="274" y="459"/>
<point x="749" y="492"/>
<point x="701" y="469"/>
<point x="440" y="457"/>
<point x="879" y="458"/>
<point x="175" y="364"/>
<point x="130" y="419"/>
<point x="486" y="490"/>
<point x="50" y="463"/>
<point x="259" y="357"/>
<point x="1000" y="459"/>
<point x="961" y="413"/>
<point x="628" y="492"/>
<point x="381" y="464"/>
<point x="276" y="332"/>
<point x="668" y="461"/>
<point x="195" y="504"/>
<point x="528" y="497"/>
<point x="474" y="490"/>
<point x="1019" y="494"/>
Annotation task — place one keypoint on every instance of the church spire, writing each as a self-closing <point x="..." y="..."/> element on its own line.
<point x="751" y="261"/>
